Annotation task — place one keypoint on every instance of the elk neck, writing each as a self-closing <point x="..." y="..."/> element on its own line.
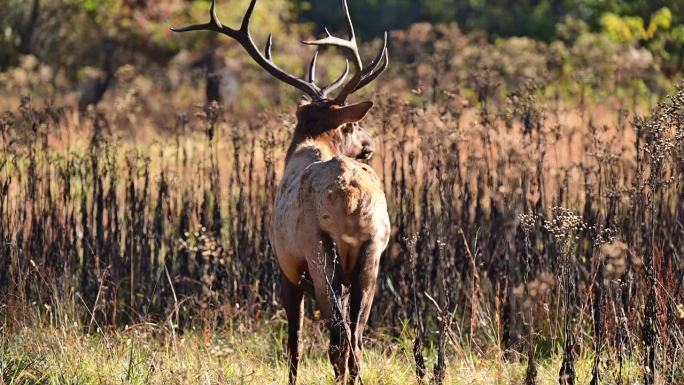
<point x="317" y="145"/>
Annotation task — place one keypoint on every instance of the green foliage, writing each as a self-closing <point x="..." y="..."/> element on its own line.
<point x="660" y="36"/>
<point x="11" y="26"/>
<point x="660" y="20"/>
<point x="533" y="18"/>
<point x="69" y="34"/>
<point x="498" y="17"/>
<point x="273" y="16"/>
<point x="627" y="29"/>
<point x="631" y="29"/>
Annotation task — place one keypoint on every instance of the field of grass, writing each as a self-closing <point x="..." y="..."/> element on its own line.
<point x="151" y="354"/>
<point x="554" y="234"/>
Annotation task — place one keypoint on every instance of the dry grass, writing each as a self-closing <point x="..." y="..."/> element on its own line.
<point x="150" y="354"/>
<point x="505" y="212"/>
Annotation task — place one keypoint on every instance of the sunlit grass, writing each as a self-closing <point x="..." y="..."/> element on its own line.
<point x="149" y="354"/>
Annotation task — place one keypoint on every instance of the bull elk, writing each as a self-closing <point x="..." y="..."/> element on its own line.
<point x="330" y="222"/>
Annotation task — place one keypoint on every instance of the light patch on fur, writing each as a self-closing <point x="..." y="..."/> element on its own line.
<point x="350" y="239"/>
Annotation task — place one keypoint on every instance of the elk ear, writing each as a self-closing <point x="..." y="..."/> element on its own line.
<point x="351" y="114"/>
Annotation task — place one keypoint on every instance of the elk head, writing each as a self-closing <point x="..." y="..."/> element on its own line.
<point x="320" y="116"/>
<point x="338" y="125"/>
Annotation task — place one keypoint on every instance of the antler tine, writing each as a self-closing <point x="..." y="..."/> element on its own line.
<point x="243" y="37"/>
<point x="337" y="83"/>
<point x="350" y="25"/>
<point x="373" y="64"/>
<point x="214" y="24"/>
<point x="244" y="26"/>
<point x="332" y="86"/>
<point x="269" y="44"/>
<point x="351" y="50"/>
<point x="375" y="68"/>
<point x="312" y="68"/>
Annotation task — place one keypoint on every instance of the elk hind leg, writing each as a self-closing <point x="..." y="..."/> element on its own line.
<point x="327" y="276"/>
<point x="361" y="293"/>
<point x="293" y="300"/>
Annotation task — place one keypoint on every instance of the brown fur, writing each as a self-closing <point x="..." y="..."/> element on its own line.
<point x="330" y="220"/>
<point x="330" y="223"/>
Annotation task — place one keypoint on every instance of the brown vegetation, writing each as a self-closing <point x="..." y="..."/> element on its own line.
<point x="519" y="225"/>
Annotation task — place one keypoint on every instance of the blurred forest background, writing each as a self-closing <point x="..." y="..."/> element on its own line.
<point x="78" y="50"/>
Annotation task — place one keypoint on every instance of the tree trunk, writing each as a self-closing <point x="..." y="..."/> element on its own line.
<point x="27" y="32"/>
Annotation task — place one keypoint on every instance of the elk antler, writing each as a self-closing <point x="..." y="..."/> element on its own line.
<point x="375" y="68"/>
<point x="243" y="37"/>
<point x="332" y="86"/>
<point x="361" y="77"/>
